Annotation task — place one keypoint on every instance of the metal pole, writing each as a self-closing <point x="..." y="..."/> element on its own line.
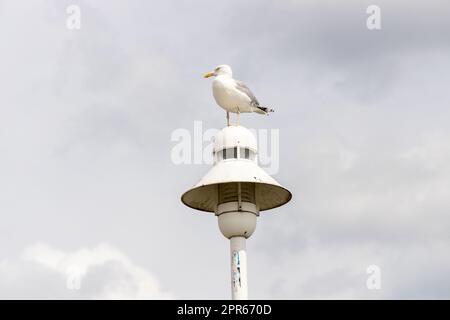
<point x="239" y="289"/>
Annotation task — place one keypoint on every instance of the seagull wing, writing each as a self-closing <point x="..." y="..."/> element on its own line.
<point x="240" y="86"/>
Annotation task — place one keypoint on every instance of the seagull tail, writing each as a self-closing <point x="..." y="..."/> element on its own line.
<point x="264" y="110"/>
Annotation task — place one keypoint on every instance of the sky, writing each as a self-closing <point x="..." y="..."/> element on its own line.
<point x="90" y="195"/>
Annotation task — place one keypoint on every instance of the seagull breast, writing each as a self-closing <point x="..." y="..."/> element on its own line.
<point x="229" y="97"/>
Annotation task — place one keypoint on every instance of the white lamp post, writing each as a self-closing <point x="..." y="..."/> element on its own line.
<point x="236" y="189"/>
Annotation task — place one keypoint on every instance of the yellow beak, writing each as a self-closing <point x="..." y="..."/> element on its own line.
<point x="209" y="74"/>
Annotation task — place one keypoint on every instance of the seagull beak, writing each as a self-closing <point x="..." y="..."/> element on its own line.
<point x="209" y="74"/>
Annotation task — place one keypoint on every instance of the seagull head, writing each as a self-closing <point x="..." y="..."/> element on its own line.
<point x="222" y="70"/>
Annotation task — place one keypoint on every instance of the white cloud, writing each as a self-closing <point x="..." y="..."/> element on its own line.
<point x="101" y="272"/>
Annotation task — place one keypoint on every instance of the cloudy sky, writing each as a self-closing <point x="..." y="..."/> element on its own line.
<point x="90" y="197"/>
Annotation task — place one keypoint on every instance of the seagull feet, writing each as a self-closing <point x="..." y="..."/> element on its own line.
<point x="238" y="119"/>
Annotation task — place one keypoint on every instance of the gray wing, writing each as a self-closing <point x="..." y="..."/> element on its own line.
<point x="244" y="89"/>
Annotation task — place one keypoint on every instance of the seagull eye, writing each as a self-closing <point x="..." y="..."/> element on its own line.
<point x="217" y="69"/>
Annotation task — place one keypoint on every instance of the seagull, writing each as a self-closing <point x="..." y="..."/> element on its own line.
<point x="233" y="95"/>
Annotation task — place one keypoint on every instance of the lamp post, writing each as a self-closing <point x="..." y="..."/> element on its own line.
<point x="236" y="189"/>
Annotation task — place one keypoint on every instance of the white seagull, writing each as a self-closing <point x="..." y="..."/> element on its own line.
<point x="233" y="95"/>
